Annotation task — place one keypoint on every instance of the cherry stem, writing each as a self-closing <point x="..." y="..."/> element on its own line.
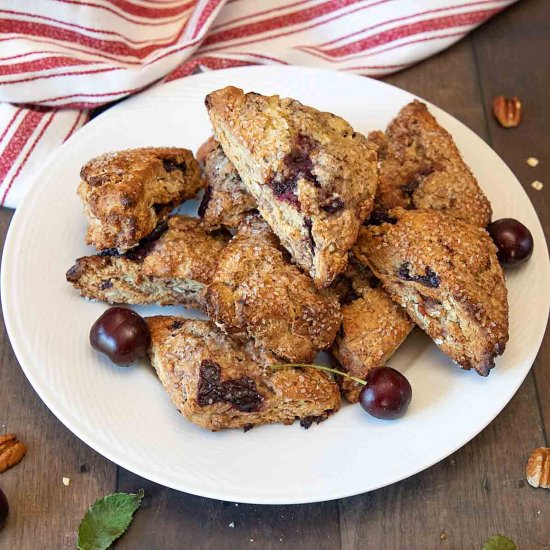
<point x="319" y="367"/>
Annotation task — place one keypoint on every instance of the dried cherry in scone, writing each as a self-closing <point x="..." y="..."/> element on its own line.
<point x="242" y="393"/>
<point x="121" y="334"/>
<point x="431" y="279"/>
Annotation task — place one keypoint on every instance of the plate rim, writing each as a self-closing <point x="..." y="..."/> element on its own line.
<point x="9" y="305"/>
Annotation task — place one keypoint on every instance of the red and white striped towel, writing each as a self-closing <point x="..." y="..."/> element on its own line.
<point x="61" y="58"/>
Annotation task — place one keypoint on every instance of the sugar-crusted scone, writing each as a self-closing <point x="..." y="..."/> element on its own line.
<point x="373" y="327"/>
<point x="217" y="382"/>
<point x="257" y="292"/>
<point x="126" y="194"/>
<point x="421" y="167"/>
<point x="170" y="266"/>
<point x="445" y="273"/>
<point x="226" y="200"/>
<point x="313" y="177"/>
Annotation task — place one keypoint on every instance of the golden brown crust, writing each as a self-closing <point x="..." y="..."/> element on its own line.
<point x="421" y="167"/>
<point x="172" y="269"/>
<point x="445" y="273"/>
<point x="226" y="201"/>
<point x="126" y="194"/>
<point x="217" y="382"/>
<point x="256" y="291"/>
<point x="373" y="327"/>
<point x="313" y="177"/>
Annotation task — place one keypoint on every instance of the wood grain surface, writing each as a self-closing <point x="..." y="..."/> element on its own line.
<point x="457" y="504"/>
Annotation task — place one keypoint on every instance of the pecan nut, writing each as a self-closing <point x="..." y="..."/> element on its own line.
<point x="507" y="111"/>
<point x="537" y="470"/>
<point x="11" y="451"/>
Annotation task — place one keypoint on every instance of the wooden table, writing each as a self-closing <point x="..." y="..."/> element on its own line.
<point x="457" y="504"/>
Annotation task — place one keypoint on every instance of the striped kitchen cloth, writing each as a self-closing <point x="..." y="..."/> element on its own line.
<point x="61" y="58"/>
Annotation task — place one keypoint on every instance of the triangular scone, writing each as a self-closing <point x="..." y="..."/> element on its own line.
<point x="313" y="177"/>
<point x="217" y="382"/>
<point x="171" y="266"/>
<point x="126" y="194"/>
<point x="373" y="327"/>
<point x="446" y="274"/>
<point x="226" y="201"/>
<point x="256" y="291"/>
<point x="421" y="167"/>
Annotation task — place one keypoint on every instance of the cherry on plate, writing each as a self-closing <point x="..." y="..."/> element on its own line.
<point x="514" y="241"/>
<point x="4" y="509"/>
<point x="121" y="334"/>
<point x="387" y="394"/>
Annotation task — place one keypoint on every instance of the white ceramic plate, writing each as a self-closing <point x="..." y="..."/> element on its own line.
<point x="124" y="413"/>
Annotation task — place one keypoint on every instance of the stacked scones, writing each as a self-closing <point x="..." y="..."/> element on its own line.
<point x="310" y="237"/>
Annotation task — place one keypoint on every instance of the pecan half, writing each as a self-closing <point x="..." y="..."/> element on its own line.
<point x="507" y="111"/>
<point x="11" y="451"/>
<point x="537" y="470"/>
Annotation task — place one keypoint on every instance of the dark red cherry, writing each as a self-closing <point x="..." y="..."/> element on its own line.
<point x="514" y="241"/>
<point x="387" y="394"/>
<point x="121" y="334"/>
<point x="4" y="509"/>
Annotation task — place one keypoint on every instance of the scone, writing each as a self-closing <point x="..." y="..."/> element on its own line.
<point x="421" y="167"/>
<point x="373" y="327"/>
<point x="126" y="194"/>
<point x="171" y="266"/>
<point x="217" y="382"/>
<point x="226" y="201"/>
<point x="445" y="273"/>
<point x="313" y="177"/>
<point x="257" y="292"/>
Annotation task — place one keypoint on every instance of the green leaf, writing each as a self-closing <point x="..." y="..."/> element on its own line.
<point x="106" y="519"/>
<point x="499" y="542"/>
